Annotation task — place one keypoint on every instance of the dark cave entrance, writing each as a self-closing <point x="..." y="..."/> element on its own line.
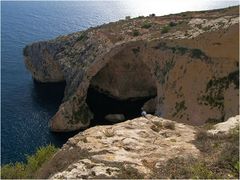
<point x="122" y="86"/>
<point x="101" y="105"/>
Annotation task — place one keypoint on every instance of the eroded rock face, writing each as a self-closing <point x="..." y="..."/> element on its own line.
<point x="192" y="69"/>
<point x="126" y="76"/>
<point x="138" y="145"/>
<point x="42" y="63"/>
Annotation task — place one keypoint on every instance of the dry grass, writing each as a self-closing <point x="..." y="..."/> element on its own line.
<point x="108" y="132"/>
<point x="157" y="126"/>
<point x="219" y="159"/>
<point x="169" y="125"/>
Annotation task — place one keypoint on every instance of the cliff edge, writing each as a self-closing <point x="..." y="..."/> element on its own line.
<point x="185" y="65"/>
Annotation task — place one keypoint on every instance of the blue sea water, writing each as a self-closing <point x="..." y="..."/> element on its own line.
<point x="26" y="107"/>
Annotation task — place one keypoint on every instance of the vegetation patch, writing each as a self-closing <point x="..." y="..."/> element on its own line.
<point x="169" y="125"/>
<point x="128" y="172"/>
<point x="214" y="93"/>
<point x="146" y="25"/>
<point x="197" y="53"/>
<point x="136" y="50"/>
<point x="193" y="53"/>
<point x="218" y="160"/>
<point x="215" y="120"/>
<point x="135" y="32"/>
<point x="157" y="126"/>
<point x="82" y="37"/>
<point x="26" y="170"/>
<point x="180" y="106"/>
<point x="165" y="29"/>
<point x="161" y="73"/>
<point x="108" y="132"/>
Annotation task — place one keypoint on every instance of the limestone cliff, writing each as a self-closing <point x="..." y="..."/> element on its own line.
<point x="188" y="62"/>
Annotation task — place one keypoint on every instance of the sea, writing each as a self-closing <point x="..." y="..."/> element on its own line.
<point x="26" y="107"/>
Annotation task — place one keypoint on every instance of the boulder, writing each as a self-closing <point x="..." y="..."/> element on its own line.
<point x="225" y="127"/>
<point x="150" y="106"/>
<point x="115" y="117"/>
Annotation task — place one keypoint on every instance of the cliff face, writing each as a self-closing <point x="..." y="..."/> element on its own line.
<point x="187" y="61"/>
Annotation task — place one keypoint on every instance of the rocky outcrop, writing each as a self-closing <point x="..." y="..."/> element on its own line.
<point x="139" y="145"/>
<point x="189" y="61"/>
<point x="227" y="126"/>
<point x="150" y="106"/>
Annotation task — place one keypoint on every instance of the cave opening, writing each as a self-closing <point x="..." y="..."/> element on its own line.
<point x="122" y="86"/>
<point x="102" y="105"/>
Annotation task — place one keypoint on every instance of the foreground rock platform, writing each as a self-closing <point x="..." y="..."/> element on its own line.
<point x="187" y="61"/>
<point x="141" y="148"/>
<point x="141" y="144"/>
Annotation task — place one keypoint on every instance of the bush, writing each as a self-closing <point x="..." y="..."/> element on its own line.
<point x="200" y="170"/>
<point x="165" y="29"/>
<point x="169" y="125"/>
<point x="221" y="160"/>
<point x="108" y="132"/>
<point x="28" y="169"/>
<point x="83" y="36"/>
<point x="135" y="32"/>
<point x="146" y="25"/>
<point x="197" y="53"/>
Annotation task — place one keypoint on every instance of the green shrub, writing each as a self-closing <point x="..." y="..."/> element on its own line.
<point x="83" y="36"/>
<point x="13" y="171"/>
<point x="135" y="32"/>
<point x="27" y="170"/>
<point x="201" y="171"/>
<point x="180" y="106"/>
<point x="165" y="29"/>
<point x="197" y="53"/>
<point x="146" y="25"/>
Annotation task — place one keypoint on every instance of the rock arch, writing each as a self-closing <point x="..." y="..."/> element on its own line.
<point x="136" y="82"/>
<point x="126" y="82"/>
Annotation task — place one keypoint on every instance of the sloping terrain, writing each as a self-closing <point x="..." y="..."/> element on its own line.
<point x="150" y="147"/>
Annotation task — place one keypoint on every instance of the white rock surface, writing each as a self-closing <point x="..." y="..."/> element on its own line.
<point x="226" y="126"/>
<point x="141" y="143"/>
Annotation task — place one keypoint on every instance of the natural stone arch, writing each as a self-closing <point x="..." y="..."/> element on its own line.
<point x="75" y="114"/>
<point x="126" y="81"/>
